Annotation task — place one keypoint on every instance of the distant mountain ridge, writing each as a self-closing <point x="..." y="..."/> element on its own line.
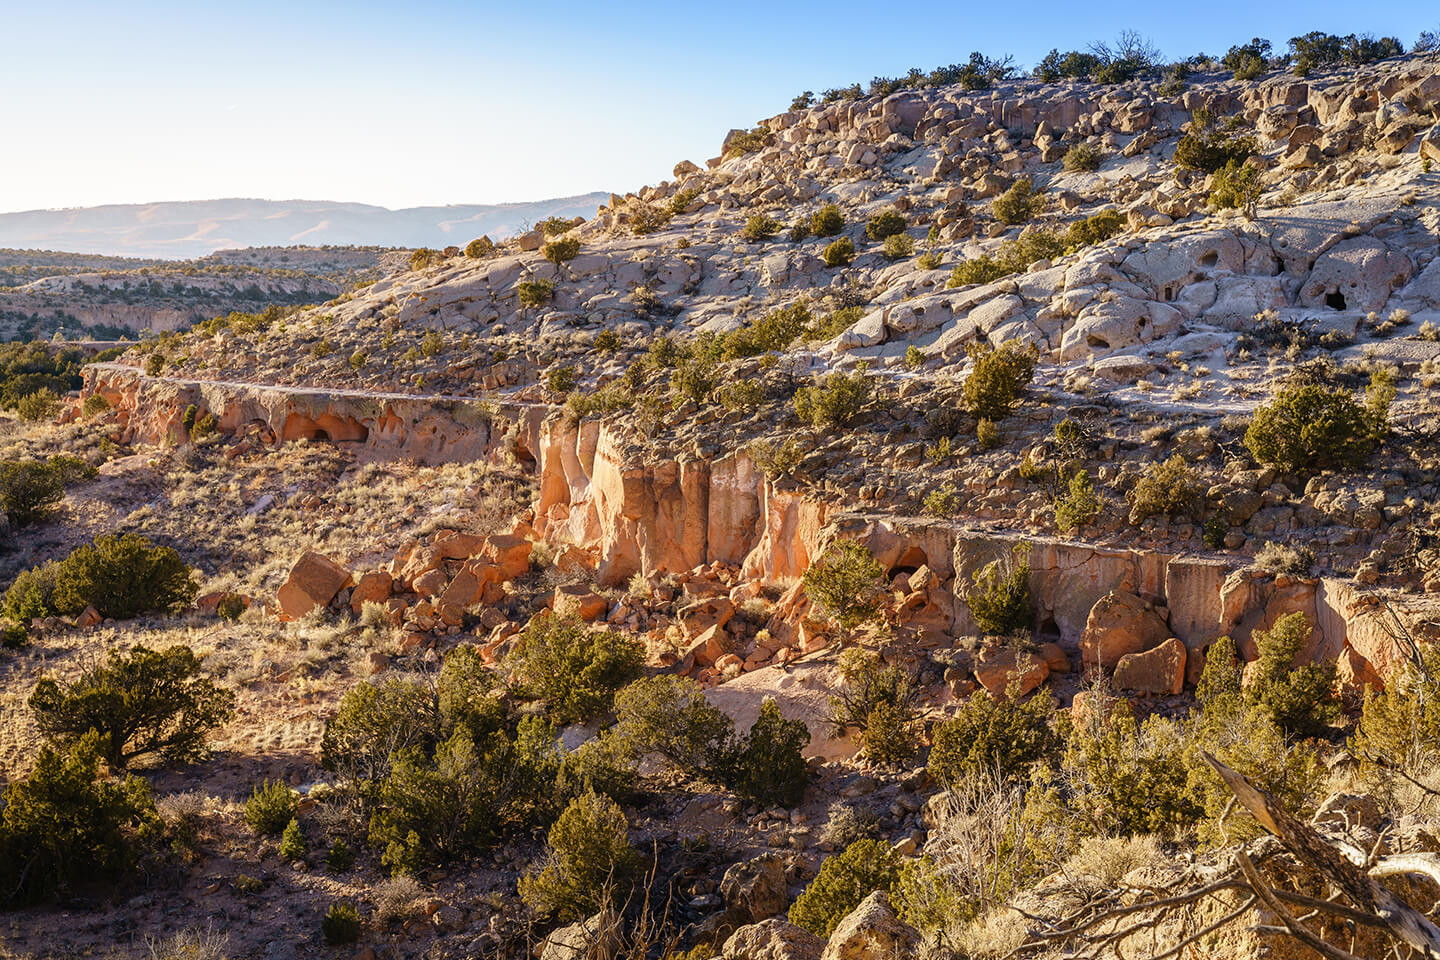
<point x="195" y="228"/>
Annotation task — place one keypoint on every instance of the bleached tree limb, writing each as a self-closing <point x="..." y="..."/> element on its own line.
<point x="1364" y="891"/>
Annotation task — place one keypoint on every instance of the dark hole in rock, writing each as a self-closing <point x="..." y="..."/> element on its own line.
<point x="1335" y="301"/>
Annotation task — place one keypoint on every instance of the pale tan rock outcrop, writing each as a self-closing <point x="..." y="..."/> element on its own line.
<point x="802" y="690"/>
<point x="872" y="931"/>
<point x="373" y="587"/>
<point x="755" y="889"/>
<point x="1006" y="672"/>
<point x="314" y="581"/>
<point x="772" y="940"/>
<point x="1158" y="670"/>
<point x="1119" y="624"/>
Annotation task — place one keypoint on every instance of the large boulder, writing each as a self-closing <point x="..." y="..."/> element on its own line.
<point x="597" y="938"/>
<point x="773" y="940"/>
<point x="754" y="890"/>
<point x="1159" y="670"/>
<point x="1004" y="671"/>
<point x="1120" y="623"/>
<point x="872" y="931"/>
<point x="1356" y="274"/>
<point x="313" y="582"/>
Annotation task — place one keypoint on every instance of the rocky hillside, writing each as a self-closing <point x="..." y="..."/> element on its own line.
<point x="43" y="292"/>
<point x="969" y="523"/>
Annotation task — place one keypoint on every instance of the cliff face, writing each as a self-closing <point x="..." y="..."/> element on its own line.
<point x="385" y="426"/>
<point x="675" y="515"/>
<point x="667" y="516"/>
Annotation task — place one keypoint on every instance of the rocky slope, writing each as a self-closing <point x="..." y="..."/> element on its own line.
<point x="43" y="292"/>
<point x="676" y="494"/>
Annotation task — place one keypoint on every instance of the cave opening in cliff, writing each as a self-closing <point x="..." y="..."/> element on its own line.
<point x="1335" y="301"/>
<point x="910" y="561"/>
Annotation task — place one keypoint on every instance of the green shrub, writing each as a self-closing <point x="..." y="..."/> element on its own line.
<point x="607" y="341"/>
<point x="827" y="221"/>
<point x="1210" y="145"/>
<point x="879" y="702"/>
<point x="587" y="852"/>
<point x="1082" y="158"/>
<point x="914" y="357"/>
<point x="562" y="251"/>
<point x="1019" y="204"/>
<point x="1249" y="68"/>
<point x="560" y="379"/>
<point x="1236" y="185"/>
<point x="271" y="807"/>
<point x="889" y="223"/>
<point x="480" y="248"/>
<point x="30" y="596"/>
<point x="929" y="260"/>
<point x="339" y="858"/>
<point x="29" y="488"/>
<point x="230" y="607"/>
<point x="1300" y="699"/>
<point x="154" y="364"/>
<point x="669" y="715"/>
<point x="998" y="378"/>
<point x="835" y="324"/>
<point x="839" y="253"/>
<point x="576" y="672"/>
<point x="341" y="924"/>
<point x="94" y="404"/>
<point x="897" y="247"/>
<point x="43" y="404"/>
<point x="743" y="395"/>
<point x="13" y="635"/>
<point x="771" y="334"/>
<point x="1308" y="428"/>
<point x="682" y="199"/>
<point x="1129" y="778"/>
<point x="999" y="600"/>
<point x="292" y="842"/>
<point x="943" y="501"/>
<point x="846" y="584"/>
<point x="834" y="400"/>
<point x="749" y="141"/>
<point x="373" y="723"/>
<point x="122" y="577"/>
<point x="425" y="257"/>
<point x="766" y="766"/>
<point x="140" y="703"/>
<point x="776" y="459"/>
<point x="1400" y="725"/>
<point x="799" y="231"/>
<point x="1320" y="49"/>
<point x="843" y="882"/>
<point x="1168" y="487"/>
<point x="1079" y="505"/>
<point x="646" y="218"/>
<point x="993" y="735"/>
<point x="434" y="808"/>
<point x="535" y="293"/>
<point x="1016" y="256"/>
<point x="760" y="227"/>
<point x="63" y="827"/>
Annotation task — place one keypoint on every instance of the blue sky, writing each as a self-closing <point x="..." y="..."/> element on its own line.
<point x="403" y="104"/>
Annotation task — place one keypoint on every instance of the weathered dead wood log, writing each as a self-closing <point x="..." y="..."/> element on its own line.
<point x="1361" y="888"/>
